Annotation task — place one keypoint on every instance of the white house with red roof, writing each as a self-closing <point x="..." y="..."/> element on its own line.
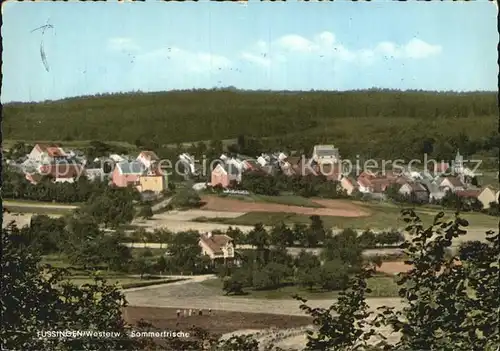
<point x="219" y="247"/>
<point x="45" y="153"/>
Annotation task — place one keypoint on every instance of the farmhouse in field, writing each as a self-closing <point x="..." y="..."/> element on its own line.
<point x="219" y="247"/>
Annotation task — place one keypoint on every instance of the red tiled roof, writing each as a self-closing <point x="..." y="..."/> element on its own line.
<point x="150" y="155"/>
<point x="216" y="242"/>
<point x="33" y="178"/>
<point x="440" y="167"/>
<point x="379" y="185"/>
<point x="416" y="187"/>
<point x="469" y="193"/>
<point x="364" y="181"/>
<point x="62" y="170"/>
<point x="51" y="150"/>
<point x="454" y="181"/>
<point x="393" y="173"/>
<point x="367" y="175"/>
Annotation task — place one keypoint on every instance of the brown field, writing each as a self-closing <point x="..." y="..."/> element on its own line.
<point x="394" y="267"/>
<point x="337" y="208"/>
<point x="219" y="322"/>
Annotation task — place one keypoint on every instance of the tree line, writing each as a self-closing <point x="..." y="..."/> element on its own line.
<point x="436" y="122"/>
<point x="261" y="183"/>
<point x="16" y="186"/>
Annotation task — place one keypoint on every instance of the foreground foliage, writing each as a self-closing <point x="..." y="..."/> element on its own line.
<point x="37" y="299"/>
<point x="448" y="304"/>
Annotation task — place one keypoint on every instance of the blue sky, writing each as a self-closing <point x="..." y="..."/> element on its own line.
<point x="152" y="46"/>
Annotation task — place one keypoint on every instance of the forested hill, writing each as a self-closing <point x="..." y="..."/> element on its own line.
<point x="171" y="117"/>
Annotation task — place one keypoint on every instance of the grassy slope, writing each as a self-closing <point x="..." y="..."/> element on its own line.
<point x="383" y="216"/>
<point x="80" y="277"/>
<point x="381" y="285"/>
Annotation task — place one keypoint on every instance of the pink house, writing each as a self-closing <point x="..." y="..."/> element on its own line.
<point x="127" y="173"/>
<point x="224" y="175"/>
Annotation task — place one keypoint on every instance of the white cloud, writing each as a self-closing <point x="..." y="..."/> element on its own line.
<point x="295" y="42"/>
<point x="194" y="62"/>
<point x="123" y="44"/>
<point x="254" y="58"/>
<point x="417" y="48"/>
<point x="325" y="45"/>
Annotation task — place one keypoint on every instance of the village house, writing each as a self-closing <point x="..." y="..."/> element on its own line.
<point x="485" y="195"/>
<point x="219" y="247"/>
<point x="127" y="174"/>
<point x="62" y="172"/>
<point x="436" y="192"/>
<point x="364" y="184"/>
<point x="155" y="183"/>
<point x="224" y="174"/>
<point x="349" y="184"/>
<point x="452" y="183"/>
<point x="325" y="154"/>
<point x="416" y="189"/>
<point x="250" y="165"/>
<point x="43" y="153"/>
<point x="147" y="158"/>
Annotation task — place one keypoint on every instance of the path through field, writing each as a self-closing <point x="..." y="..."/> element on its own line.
<point x="192" y="295"/>
<point x="189" y="294"/>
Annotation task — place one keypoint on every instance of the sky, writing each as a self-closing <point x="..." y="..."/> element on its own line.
<point x="106" y="47"/>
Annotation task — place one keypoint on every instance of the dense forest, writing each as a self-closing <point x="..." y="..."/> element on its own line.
<point x="374" y="123"/>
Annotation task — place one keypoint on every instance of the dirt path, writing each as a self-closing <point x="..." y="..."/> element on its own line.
<point x="336" y="208"/>
<point x="38" y="204"/>
<point x="194" y="295"/>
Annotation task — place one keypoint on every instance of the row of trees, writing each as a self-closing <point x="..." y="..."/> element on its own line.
<point x="267" y="267"/>
<point x="312" y="235"/>
<point x="306" y="186"/>
<point x="15" y="186"/>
